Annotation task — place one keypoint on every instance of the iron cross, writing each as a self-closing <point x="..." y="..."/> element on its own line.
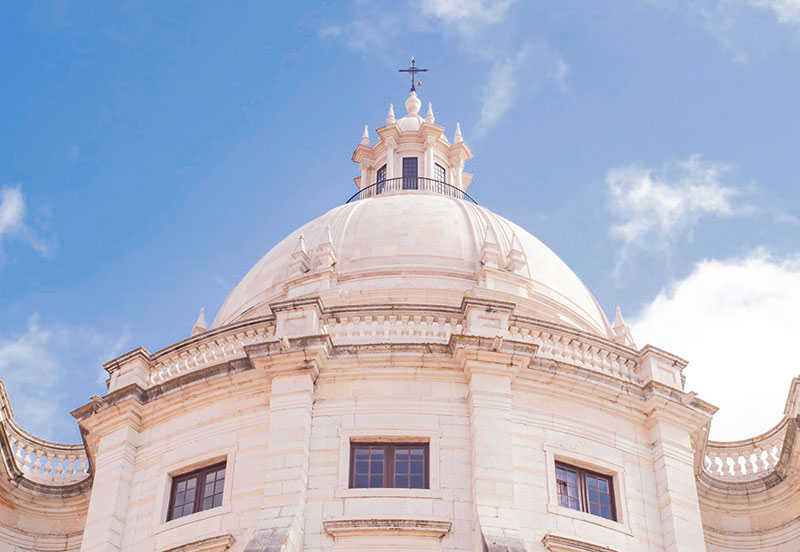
<point x="413" y="70"/>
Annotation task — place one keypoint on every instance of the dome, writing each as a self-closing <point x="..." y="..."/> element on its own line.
<point x="416" y="248"/>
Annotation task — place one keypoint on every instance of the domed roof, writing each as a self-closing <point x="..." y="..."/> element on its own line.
<point x="416" y="248"/>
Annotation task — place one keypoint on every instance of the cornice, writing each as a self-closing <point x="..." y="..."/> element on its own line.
<point x="383" y="527"/>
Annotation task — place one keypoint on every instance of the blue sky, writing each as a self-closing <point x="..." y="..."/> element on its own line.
<point x="151" y="153"/>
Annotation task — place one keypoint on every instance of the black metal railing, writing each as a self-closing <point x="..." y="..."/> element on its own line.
<point x="411" y="183"/>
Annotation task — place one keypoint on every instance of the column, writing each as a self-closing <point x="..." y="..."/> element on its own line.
<point x="113" y="476"/>
<point x="364" y="176"/>
<point x="282" y="518"/>
<point x="390" y="171"/>
<point x="673" y="461"/>
<point x="495" y="526"/>
<point x="429" y="158"/>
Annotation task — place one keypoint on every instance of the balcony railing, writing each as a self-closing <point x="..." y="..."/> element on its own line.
<point x="411" y="184"/>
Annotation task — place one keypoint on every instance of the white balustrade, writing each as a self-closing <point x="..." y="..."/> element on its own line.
<point x="220" y="347"/>
<point x="46" y="462"/>
<point x="747" y="459"/>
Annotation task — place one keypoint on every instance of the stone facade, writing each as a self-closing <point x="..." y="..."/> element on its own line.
<point x="409" y="315"/>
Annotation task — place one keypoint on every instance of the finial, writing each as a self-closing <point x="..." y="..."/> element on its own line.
<point x="365" y="136"/>
<point x="618" y="320"/>
<point x="429" y="118"/>
<point x="300" y="261"/>
<point x="458" y="138"/>
<point x="413" y="104"/>
<point x="413" y="70"/>
<point x="390" y="116"/>
<point x="200" y="326"/>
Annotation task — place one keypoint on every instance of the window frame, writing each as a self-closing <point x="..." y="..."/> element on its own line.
<point x="583" y="489"/>
<point x="201" y="474"/>
<point x="389" y="449"/>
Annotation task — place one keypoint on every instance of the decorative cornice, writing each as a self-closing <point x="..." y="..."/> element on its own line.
<point x="556" y="543"/>
<point x="219" y="543"/>
<point x="373" y="527"/>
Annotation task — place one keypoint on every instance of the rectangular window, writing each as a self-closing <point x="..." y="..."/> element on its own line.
<point x="585" y="491"/>
<point x="380" y="180"/>
<point x="196" y="491"/>
<point x="409" y="173"/>
<point x="439" y="173"/>
<point x="398" y="465"/>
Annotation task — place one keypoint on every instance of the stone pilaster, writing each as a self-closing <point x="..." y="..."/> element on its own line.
<point x="489" y="375"/>
<point x="673" y="462"/>
<point x="118" y="437"/>
<point x="282" y="518"/>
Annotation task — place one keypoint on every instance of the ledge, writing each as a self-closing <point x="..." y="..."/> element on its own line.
<point x="371" y="527"/>
<point x="555" y="543"/>
<point x="221" y="543"/>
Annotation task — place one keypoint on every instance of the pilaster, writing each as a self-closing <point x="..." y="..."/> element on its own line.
<point x="490" y="372"/>
<point x="673" y="462"/>
<point x="282" y="517"/>
<point x="118" y="437"/>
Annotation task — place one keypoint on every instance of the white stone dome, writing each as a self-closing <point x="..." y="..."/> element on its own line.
<point x="417" y="248"/>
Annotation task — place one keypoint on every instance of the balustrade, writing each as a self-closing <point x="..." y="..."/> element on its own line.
<point x="747" y="459"/>
<point x="46" y="462"/>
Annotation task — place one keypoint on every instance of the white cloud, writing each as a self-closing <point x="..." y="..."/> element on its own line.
<point x="787" y="12"/>
<point x="736" y="321"/>
<point x="13" y="211"/>
<point x="40" y="366"/>
<point x="654" y="206"/>
<point x="533" y="66"/>
<point x="466" y="15"/>
<point x="480" y="27"/>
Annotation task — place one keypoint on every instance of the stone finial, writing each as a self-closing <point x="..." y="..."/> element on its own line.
<point x="200" y="326"/>
<point x="365" y="137"/>
<point x="490" y="251"/>
<point x="622" y="333"/>
<point x="515" y="260"/>
<point x="413" y="104"/>
<point x="300" y="259"/>
<point x="429" y="118"/>
<point x="390" y="116"/>
<point x="458" y="138"/>
<point x="326" y="255"/>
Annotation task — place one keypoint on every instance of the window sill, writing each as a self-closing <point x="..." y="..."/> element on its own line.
<point x="591" y="518"/>
<point x="399" y="493"/>
<point x="191" y="518"/>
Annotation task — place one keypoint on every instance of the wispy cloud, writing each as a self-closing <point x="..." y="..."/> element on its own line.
<point x="787" y="12"/>
<point x="40" y="363"/>
<point x="517" y="69"/>
<point x="13" y="224"/>
<point x="657" y="206"/>
<point x="532" y="67"/>
<point x="736" y="322"/>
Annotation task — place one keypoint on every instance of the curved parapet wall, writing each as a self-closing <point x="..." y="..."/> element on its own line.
<point x="749" y="490"/>
<point x="45" y="486"/>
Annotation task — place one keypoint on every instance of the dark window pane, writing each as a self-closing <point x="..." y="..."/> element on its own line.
<point x="376" y="481"/>
<point x="401" y="467"/>
<point x="362" y="466"/>
<point x="563" y="501"/>
<point x="604" y="500"/>
<point x="591" y="482"/>
<point x="416" y="482"/>
<point x="360" y="482"/>
<point x="401" y="481"/>
<point x="187" y="509"/>
<point x="376" y="468"/>
<point x="217" y="500"/>
<point x="606" y="513"/>
<point x="207" y="502"/>
<point x="417" y="467"/>
<point x="362" y="454"/>
<point x="594" y="509"/>
<point x="603" y="485"/>
<point x="181" y="486"/>
<point x="191" y="483"/>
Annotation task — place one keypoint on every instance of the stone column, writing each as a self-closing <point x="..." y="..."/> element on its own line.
<point x="489" y="375"/>
<point x="429" y="158"/>
<point x="458" y="168"/>
<point x="280" y="525"/>
<point x="673" y="460"/>
<point x="364" y="176"/>
<point x="390" y="171"/>
<point x="113" y="475"/>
